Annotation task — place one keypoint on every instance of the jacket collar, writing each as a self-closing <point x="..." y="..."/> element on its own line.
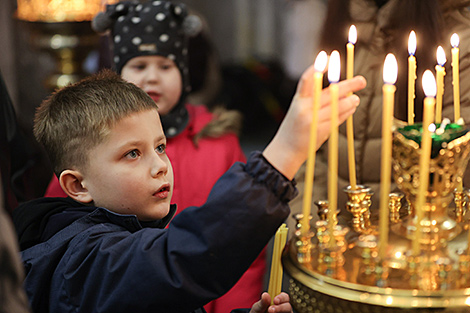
<point x="131" y="223"/>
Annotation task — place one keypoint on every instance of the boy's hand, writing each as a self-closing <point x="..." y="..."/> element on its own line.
<point x="289" y="147"/>
<point x="281" y="304"/>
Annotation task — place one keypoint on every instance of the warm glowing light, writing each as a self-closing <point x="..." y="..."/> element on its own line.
<point x="441" y="56"/>
<point x="432" y="128"/>
<point x="429" y="84"/>
<point x="390" y="69"/>
<point x="454" y="40"/>
<point x="467" y="301"/>
<point x="412" y="43"/>
<point x="352" y="34"/>
<point x="59" y="10"/>
<point x="334" y="67"/>
<point x="389" y="300"/>
<point x="321" y="61"/>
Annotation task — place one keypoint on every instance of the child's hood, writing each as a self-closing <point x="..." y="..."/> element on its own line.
<point x="38" y="220"/>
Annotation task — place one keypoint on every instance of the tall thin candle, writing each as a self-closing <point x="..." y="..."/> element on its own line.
<point x="390" y="72"/>
<point x="429" y="86"/>
<point x="454" y="41"/>
<point x="349" y="122"/>
<point x="275" y="277"/>
<point x="440" y="73"/>
<point x="333" y="77"/>
<point x="320" y="65"/>
<point x="411" y="76"/>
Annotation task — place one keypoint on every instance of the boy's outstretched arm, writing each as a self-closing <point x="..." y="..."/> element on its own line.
<point x="289" y="147"/>
<point x="281" y="304"/>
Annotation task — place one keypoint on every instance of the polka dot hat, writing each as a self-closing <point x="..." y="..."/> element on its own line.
<point x="151" y="28"/>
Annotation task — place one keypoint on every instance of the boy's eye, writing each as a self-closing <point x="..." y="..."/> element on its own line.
<point x="160" y="149"/>
<point x="132" y="154"/>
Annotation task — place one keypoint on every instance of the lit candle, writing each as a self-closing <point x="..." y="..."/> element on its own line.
<point x="411" y="76"/>
<point x="349" y="122"/>
<point x="429" y="86"/>
<point x="333" y="77"/>
<point x="440" y="73"/>
<point x="275" y="277"/>
<point x="390" y="73"/>
<point x="350" y="52"/>
<point x="454" y="41"/>
<point x="320" y="65"/>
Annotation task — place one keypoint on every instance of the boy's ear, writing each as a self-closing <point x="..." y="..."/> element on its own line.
<point x="71" y="183"/>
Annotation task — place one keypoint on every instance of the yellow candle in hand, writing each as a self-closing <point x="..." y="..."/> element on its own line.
<point x="275" y="277"/>
<point x="454" y="40"/>
<point x="429" y="85"/>
<point x="440" y="73"/>
<point x="390" y="72"/>
<point x="349" y="121"/>
<point x="333" y="77"/>
<point x="320" y="65"/>
<point x="411" y="76"/>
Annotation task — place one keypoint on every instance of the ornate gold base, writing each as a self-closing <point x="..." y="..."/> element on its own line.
<point x="307" y="300"/>
<point x="354" y="288"/>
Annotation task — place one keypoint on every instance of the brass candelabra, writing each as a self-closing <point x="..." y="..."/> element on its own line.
<point x="349" y="276"/>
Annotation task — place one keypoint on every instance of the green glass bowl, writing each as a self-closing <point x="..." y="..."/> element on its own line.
<point x="440" y="137"/>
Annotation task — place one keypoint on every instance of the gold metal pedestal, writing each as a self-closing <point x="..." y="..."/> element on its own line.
<point x="69" y="44"/>
<point x="349" y="277"/>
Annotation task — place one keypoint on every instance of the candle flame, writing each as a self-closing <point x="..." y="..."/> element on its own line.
<point x="429" y="84"/>
<point x="454" y="40"/>
<point x="441" y="56"/>
<point x="352" y="34"/>
<point x="334" y="67"/>
<point x="412" y="43"/>
<point x="321" y="61"/>
<point x="390" y="69"/>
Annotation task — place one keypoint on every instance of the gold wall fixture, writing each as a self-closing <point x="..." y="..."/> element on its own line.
<point x="62" y="28"/>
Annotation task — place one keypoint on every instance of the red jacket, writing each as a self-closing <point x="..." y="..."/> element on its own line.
<point x="196" y="169"/>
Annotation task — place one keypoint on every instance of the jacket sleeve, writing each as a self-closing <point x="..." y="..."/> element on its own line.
<point x="197" y="259"/>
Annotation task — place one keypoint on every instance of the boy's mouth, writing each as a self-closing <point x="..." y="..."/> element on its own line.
<point x="163" y="192"/>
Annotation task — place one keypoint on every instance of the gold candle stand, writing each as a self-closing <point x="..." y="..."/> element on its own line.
<point x="350" y="278"/>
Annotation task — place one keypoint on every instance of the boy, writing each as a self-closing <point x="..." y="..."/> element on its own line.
<point x="105" y="247"/>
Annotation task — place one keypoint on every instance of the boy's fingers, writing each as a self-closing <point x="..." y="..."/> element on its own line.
<point x="305" y="86"/>
<point x="280" y="298"/>
<point x="351" y="85"/>
<point x="345" y="88"/>
<point x="262" y="305"/>
<point x="346" y="106"/>
<point x="284" y="307"/>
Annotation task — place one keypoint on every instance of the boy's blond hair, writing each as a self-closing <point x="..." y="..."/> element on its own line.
<point x="76" y="118"/>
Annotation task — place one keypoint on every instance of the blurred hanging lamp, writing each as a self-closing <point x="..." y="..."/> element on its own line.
<point x="62" y="28"/>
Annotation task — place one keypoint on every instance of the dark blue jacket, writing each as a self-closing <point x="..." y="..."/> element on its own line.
<point x="86" y="259"/>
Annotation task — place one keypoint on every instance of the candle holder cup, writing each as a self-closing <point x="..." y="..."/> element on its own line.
<point x="358" y="205"/>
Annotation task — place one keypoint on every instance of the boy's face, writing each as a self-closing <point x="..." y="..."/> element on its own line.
<point x="158" y="76"/>
<point x="130" y="173"/>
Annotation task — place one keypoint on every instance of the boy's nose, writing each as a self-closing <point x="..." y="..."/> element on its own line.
<point x="159" y="166"/>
